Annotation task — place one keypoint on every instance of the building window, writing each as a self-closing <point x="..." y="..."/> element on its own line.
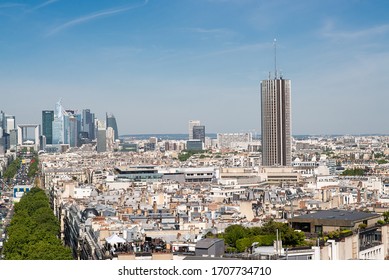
<point x="319" y="229"/>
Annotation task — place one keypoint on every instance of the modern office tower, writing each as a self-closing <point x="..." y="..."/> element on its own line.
<point x="88" y="123"/>
<point x="194" y="145"/>
<point x="199" y="133"/>
<point x="79" y="128"/>
<point x="2" y="121"/>
<point x="42" y="142"/>
<point x="2" y="114"/>
<point x="73" y="131"/>
<point x="101" y="137"/>
<point x="276" y="122"/>
<point x="191" y="125"/>
<point x="58" y="124"/>
<point x="66" y="127"/>
<point x="13" y="138"/>
<point x="10" y="120"/>
<point x="110" y="139"/>
<point x="111" y="122"/>
<point x="4" y="141"/>
<point x="47" y="125"/>
<point x="7" y="122"/>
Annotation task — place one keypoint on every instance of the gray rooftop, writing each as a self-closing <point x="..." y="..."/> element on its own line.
<point x="336" y="214"/>
<point x="207" y="242"/>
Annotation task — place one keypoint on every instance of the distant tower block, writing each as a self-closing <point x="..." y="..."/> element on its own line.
<point x="111" y="122"/>
<point x="192" y="123"/>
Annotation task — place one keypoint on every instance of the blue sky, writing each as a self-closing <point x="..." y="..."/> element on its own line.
<point x="158" y="64"/>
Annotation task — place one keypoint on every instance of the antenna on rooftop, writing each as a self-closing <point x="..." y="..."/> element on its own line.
<point x="275" y="58"/>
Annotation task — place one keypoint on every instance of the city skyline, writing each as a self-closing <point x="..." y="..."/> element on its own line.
<point x="167" y="63"/>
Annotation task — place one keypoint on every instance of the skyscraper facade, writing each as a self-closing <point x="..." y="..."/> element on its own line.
<point x="73" y="131"/>
<point x="199" y="133"/>
<point x="7" y="124"/>
<point x="192" y="123"/>
<point x="111" y="122"/>
<point x="101" y="137"/>
<point x="276" y="122"/>
<point x="47" y="125"/>
<point x="88" y="123"/>
<point x="58" y="124"/>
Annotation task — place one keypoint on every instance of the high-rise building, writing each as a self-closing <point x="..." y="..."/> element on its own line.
<point x="276" y="121"/>
<point x="58" y="124"/>
<point x="7" y="124"/>
<point x="111" y="122"/>
<point x="192" y="123"/>
<point x="10" y="123"/>
<point x="73" y="131"/>
<point x="110" y="139"/>
<point x="199" y="133"/>
<point x="47" y="125"/>
<point x="101" y="137"/>
<point x="88" y="123"/>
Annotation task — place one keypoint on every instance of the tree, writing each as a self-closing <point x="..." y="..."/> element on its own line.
<point x="12" y="168"/>
<point x="288" y="235"/>
<point x="292" y="237"/>
<point x="386" y="216"/>
<point x="262" y="240"/>
<point x="354" y="172"/>
<point x="33" y="231"/>
<point x="233" y="233"/>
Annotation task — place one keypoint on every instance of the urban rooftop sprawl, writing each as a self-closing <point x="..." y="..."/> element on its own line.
<point x="200" y="195"/>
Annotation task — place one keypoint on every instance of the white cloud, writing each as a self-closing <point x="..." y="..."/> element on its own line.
<point x="44" y="4"/>
<point x="332" y="32"/>
<point x="93" y="16"/>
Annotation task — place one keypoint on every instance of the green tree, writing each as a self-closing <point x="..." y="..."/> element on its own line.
<point x="33" y="231"/>
<point x="262" y="240"/>
<point x="386" y="216"/>
<point x="288" y="235"/>
<point x="354" y="172"/>
<point x="12" y="168"/>
<point x="233" y="233"/>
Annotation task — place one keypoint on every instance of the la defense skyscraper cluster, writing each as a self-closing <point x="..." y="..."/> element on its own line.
<point x="276" y="119"/>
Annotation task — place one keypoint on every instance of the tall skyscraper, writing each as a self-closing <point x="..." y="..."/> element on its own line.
<point x="191" y="125"/>
<point x="73" y="131"/>
<point x="47" y="125"/>
<point x="276" y="121"/>
<point x="111" y="122"/>
<point x="88" y="123"/>
<point x="7" y="124"/>
<point x="58" y="124"/>
<point x="101" y="137"/>
<point x="199" y="133"/>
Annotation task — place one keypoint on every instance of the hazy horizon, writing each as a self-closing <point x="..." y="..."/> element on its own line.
<point x="158" y="64"/>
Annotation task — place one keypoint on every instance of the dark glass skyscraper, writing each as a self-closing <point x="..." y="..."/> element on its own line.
<point x="88" y="123"/>
<point x="199" y="133"/>
<point x="47" y="125"/>
<point x="111" y="122"/>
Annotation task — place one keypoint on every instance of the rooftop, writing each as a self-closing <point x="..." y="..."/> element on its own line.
<point x="336" y="214"/>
